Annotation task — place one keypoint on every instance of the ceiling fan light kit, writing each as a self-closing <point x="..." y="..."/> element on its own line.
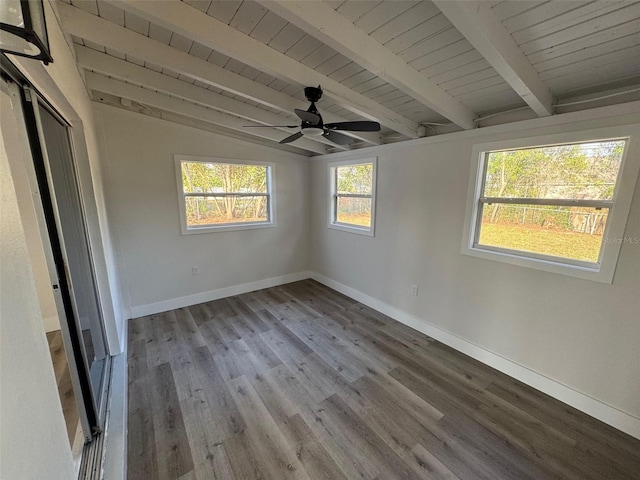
<point x="312" y="125"/>
<point x="312" y="131"/>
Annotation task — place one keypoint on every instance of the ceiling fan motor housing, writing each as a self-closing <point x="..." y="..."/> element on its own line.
<point x="313" y="94"/>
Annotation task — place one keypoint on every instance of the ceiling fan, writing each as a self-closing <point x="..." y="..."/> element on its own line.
<point x="313" y="126"/>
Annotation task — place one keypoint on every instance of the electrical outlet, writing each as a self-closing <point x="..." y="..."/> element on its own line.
<point x="195" y="270"/>
<point x="414" y="290"/>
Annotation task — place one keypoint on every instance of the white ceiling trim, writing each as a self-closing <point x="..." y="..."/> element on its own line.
<point x="123" y="70"/>
<point x="206" y="30"/>
<point x="150" y="98"/>
<point x="323" y="22"/>
<point x="111" y="35"/>
<point x="487" y="34"/>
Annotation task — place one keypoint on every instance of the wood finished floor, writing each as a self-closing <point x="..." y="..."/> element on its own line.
<point x="63" y="379"/>
<point x="301" y="382"/>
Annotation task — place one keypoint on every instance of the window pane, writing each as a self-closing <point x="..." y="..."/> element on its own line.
<point x="221" y="210"/>
<point x="568" y="232"/>
<point x="355" y="179"/>
<point x="355" y="211"/>
<point x="199" y="177"/>
<point x="578" y="171"/>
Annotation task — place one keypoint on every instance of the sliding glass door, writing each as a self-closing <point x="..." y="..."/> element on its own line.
<point x="64" y="229"/>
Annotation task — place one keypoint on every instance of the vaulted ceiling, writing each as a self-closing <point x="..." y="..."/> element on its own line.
<point x="417" y="67"/>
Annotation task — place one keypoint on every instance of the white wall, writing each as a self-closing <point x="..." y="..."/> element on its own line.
<point x="155" y="259"/>
<point x="582" y="334"/>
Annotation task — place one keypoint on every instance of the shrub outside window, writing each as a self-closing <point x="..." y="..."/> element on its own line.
<point x="222" y="194"/>
<point x="548" y="206"/>
<point x="352" y="195"/>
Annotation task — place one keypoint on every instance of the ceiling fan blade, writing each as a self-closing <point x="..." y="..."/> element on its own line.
<point x="271" y="126"/>
<point x="309" y="117"/>
<point x="337" y="138"/>
<point x="362" y="126"/>
<point x="291" y="138"/>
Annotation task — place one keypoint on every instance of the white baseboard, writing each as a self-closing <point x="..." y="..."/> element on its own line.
<point x="165" y="305"/>
<point x="606" y="413"/>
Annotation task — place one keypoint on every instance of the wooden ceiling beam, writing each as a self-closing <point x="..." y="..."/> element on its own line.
<point x="190" y="22"/>
<point x="144" y="77"/>
<point x="321" y="21"/>
<point x="102" y="32"/>
<point x="486" y="33"/>
<point x="150" y="98"/>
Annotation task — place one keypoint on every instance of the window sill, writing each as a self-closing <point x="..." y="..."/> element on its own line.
<point x="345" y="227"/>
<point x="225" y="228"/>
<point x="597" y="273"/>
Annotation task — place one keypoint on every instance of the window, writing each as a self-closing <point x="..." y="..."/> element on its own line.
<point x="550" y="205"/>
<point x="219" y="194"/>
<point x="353" y="185"/>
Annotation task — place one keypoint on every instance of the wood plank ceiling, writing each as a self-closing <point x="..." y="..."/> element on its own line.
<point x="417" y="67"/>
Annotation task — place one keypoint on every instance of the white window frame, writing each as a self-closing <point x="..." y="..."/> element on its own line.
<point x="613" y="237"/>
<point x="333" y="196"/>
<point x="224" y="227"/>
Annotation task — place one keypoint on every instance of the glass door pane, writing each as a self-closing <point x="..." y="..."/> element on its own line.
<point x="78" y="264"/>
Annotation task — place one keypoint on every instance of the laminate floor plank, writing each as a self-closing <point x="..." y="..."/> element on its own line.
<point x="256" y="323"/>
<point x="334" y="341"/>
<point x="263" y="352"/>
<point x="173" y="452"/>
<point x="227" y="329"/>
<point x="393" y="425"/>
<point x="227" y="417"/>
<point x="296" y="366"/>
<point x="583" y="428"/>
<point x="218" y="309"/>
<point x="322" y="290"/>
<point x="199" y="313"/>
<point x="301" y="382"/>
<point x="248" y="363"/>
<point x="69" y="407"/>
<point x="317" y="462"/>
<point x="141" y="457"/>
<point x="274" y="453"/>
<point x="188" y="331"/>
<point x="238" y="305"/>
<point x="212" y="337"/>
<point x="287" y="352"/>
<point x="160" y="347"/>
<point x="435" y="468"/>
<point x="63" y="381"/>
<point x="137" y="329"/>
<point x="357" y="343"/>
<point x="252" y="300"/>
<point x="260" y="300"/>
<point x="493" y="463"/>
<point x="242" y="327"/>
<point x="366" y="441"/>
<point x="244" y="460"/>
<point x="209" y="457"/>
<point x="533" y="438"/>
<point x="332" y="352"/>
<point x="320" y="304"/>
<point x="276" y="401"/>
